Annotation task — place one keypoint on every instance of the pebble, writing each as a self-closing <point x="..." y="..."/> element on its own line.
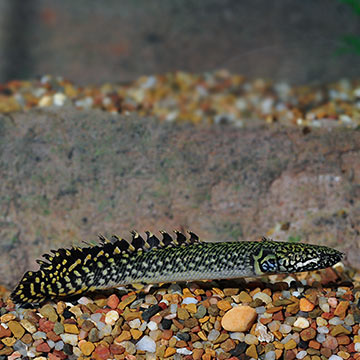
<point x="151" y="311"/>
<point x="263" y="297"/>
<point x="184" y="351"/>
<point x="190" y="300"/>
<point x="284" y="328"/>
<point x="301" y="323"/>
<point x="322" y="330"/>
<point x="129" y="347"/>
<point x="152" y="325"/>
<point x="330" y="342"/>
<point x="301" y="354"/>
<point x="335" y="357"/>
<point x="306" y="305"/>
<point x="39" y="335"/>
<point x="251" y="351"/>
<point x="251" y="339"/>
<point x="111" y="317"/>
<point x="224" y="305"/>
<point x="237" y="336"/>
<point x="87" y="348"/>
<point x="270" y="355"/>
<point x="71" y="339"/>
<point x="16" y="328"/>
<point x="169" y="352"/>
<point x="335" y="321"/>
<point x="308" y="334"/>
<point x="135" y="324"/>
<point x="146" y="343"/>
<point x="213" y="335"/>
<point x="28" y="326"/>
<point x="71" y="329"/>
<point x="239" y="318"/>
<point x="49" y="312"/>
<point x="182" y="314"/>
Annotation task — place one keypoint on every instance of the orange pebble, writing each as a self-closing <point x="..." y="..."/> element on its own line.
<point x="306" y="305"/>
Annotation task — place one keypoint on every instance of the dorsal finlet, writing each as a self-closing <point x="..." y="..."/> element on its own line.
<point x="180" y="237"/>
<point x="193" y="237"/>
<point x="167" y="239"/>
<point x="152" y="241"/>
<point x="138" y="243"/>
<point x="103" y="239"/>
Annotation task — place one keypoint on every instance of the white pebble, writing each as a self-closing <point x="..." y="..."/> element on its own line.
<point x="59" y="99"/>
<point x="286" y="339"/>
<point x="173" y="308"/>
<point x="71" y="339"/>
<point x="31" y="353"/>
<point x="84" y="300"/>
<point x="263" y="334"/>
<point x="143" y="326"/>
<point x="96" y="317"/>
<point x="190" y="300"/>
<point x="59" y="345"/>
<point x="285" y="329"/>
<point x="260" y="309"/>
<point x="270" y="355"/>
<point x="357" y="92"/>
<point x="77" y="352"/>
<point x="237" y="336"/>
<point x="152" y="325"/>
<point x="336" y="321"/>
<point x="357" y="346"/>
<point x="170" y="316"/>
<point x="335" y="357"/>
<point x="301" y="354"/>
<point x="146" y="343"/>
<point x="320" y="338"/>
<point x="39" y="335"/>
<point x="184" y="351"/>
<point x="322" y="330"/>
<point x="134" y="324"/>
<point x="263" y="297"/>
<point x="349" y="320"/>
<point x="251" y="339"/>
<point x="301" y="323"/>
<point x="213" y="335"/>
<point x="105" y="331"/>
<point x="50" y="343"/>
<point x="325" y="307"/>
<point x="111" y="317"/>
<point x="150" y="299"/>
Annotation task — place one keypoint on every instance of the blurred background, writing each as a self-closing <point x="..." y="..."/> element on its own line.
<point x="114" y="116"/>
<point x="89" y="41"/>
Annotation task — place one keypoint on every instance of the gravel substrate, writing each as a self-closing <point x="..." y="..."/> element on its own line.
<point x="308" y="316"/>
<point x="213" y="97"/>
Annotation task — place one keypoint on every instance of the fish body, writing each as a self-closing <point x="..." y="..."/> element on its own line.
<point x="117" y="262"/>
